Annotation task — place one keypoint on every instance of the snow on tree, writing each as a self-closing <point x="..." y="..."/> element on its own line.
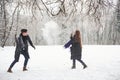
<point x="98" y="20"/>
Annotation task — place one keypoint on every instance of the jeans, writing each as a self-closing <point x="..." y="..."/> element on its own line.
<point x="25" y="62"/>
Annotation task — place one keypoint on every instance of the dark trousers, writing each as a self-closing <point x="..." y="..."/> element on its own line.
<point x="74" y="62"/>
<point x="25" y="62"/>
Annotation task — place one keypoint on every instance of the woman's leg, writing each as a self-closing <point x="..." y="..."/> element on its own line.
<point x="74" y="64"/>
<point x="84" y="65"/>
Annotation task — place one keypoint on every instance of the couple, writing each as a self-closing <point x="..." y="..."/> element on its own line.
<point x="22" y="48"/>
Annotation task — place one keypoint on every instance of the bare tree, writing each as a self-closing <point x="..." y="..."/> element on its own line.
<point x="72" y="13"/>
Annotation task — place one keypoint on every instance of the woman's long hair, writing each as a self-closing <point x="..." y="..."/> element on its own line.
<point x="78" y="37"/>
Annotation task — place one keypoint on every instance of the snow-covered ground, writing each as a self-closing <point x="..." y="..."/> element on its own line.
<point x="53" y="63"/>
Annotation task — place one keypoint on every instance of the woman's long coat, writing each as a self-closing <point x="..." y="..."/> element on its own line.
<point x="75" y="49"/>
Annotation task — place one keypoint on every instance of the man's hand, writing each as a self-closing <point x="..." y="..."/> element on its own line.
<point x="34" y="47"/>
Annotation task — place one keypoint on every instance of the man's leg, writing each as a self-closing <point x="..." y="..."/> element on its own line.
<point x="84" y="65"/>
<point x="25" y="62"/>
<point x="11" y="66"/>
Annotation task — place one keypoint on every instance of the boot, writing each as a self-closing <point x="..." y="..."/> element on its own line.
<point x="73" y="67"/>
<point x="85" y="67"/>
<point x="24" y="69"/>
<point x="9" y="70"/>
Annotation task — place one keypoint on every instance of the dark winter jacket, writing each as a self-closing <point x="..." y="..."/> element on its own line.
<point x="22" y="46"/>
<point x="75" y="48"/>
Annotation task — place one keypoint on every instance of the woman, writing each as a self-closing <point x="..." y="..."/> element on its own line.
<point x="76" y="49"/>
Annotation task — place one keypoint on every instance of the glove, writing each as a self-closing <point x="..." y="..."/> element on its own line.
<point x="71" y="37"/>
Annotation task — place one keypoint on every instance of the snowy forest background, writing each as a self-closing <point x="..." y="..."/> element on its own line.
<point x="52" y="21"/>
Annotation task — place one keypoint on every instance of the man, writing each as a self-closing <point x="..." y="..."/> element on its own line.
<point x="22" y="48"/>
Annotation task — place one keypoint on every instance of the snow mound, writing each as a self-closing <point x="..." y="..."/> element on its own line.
<point x="53" y="63"/>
